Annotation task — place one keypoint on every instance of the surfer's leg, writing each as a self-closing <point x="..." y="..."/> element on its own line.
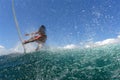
<point x="37" y="48"/>
<point x="40" y="45"/>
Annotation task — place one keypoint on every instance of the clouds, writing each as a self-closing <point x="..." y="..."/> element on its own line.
<point x="3" y="51"/>
<point x="71" y="46"/>
<point x="95" y="44"/>
<point x="1" y="47"/>
<point x="108" y="41"/>
<point x="31" y="47"/>
<point x="19" y="48"/>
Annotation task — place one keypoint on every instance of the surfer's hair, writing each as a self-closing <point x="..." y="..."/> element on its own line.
<point x="42" y="29"/>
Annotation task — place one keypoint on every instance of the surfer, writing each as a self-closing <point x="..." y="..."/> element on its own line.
<point x="40" y="37"/>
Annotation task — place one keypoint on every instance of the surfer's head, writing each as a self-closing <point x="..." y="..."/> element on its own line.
<point x="42" y="29"/>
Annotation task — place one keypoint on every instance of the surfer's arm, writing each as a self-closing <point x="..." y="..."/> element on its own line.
<point x="31" y="34"/>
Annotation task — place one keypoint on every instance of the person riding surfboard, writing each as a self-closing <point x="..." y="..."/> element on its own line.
<point x="40" y="37"/>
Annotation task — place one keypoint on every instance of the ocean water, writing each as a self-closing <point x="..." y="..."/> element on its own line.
<point x="100" y="63"/>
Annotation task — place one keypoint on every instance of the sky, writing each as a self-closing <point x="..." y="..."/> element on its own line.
<point x="67" y="21"/>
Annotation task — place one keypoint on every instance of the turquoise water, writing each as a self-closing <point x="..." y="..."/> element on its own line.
<point x="100" y="63"/>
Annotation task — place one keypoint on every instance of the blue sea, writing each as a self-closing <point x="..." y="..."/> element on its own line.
<point x="95" y="63"/>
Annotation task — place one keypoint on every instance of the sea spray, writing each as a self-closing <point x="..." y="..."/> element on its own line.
<point x="96" y="63"/>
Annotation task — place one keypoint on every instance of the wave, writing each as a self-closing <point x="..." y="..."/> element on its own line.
<point x="98" y="63"/>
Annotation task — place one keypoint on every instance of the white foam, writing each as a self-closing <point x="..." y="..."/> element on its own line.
<point x="31" y="47"/>
<point x="19" y="48"/>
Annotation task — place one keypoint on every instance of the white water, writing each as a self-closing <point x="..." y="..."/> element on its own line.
<point x="32" y="46"/>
